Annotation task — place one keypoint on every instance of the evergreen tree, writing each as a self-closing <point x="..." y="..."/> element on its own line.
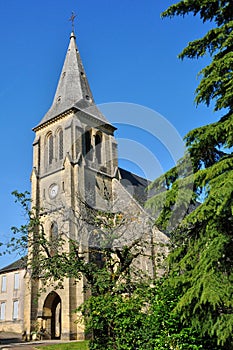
<point x="201" y="258"/>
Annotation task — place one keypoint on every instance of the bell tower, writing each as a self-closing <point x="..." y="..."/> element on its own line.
<point x="74" y="155"/>
<point x="73" y="131"/>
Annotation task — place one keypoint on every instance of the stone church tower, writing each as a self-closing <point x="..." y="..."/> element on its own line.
<point x="74" y="156"/>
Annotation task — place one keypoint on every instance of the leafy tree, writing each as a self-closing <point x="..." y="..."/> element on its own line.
<point x="126" y="309"/>
<point x="108" y="263"/>
<point x="104" y="257"/>
<point x="144" y="320"/>
<point x="201" y="260"/>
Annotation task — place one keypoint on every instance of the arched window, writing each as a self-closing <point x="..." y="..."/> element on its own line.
<point x="98" y="148"/>
<point x="50" y="149"/>
<point x="54" y="232"/>
<point x="53" y="237"/>
<point x="95" y="252"/>
<point x="87" y="146"/>
<point x="60" y="144"/>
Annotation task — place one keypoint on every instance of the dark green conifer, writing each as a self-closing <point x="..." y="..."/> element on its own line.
<point x="201" y="258"/>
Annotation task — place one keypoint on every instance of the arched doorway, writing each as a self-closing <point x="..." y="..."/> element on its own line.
<point x="52" y="315"/>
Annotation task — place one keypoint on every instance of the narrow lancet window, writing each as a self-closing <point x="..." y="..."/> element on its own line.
<point x="98" y="148"/>
<point x="60" y="144"/>
<point x="50" y="148"/>
<point x="53" y="238"/>
<point x="88" y="148"/>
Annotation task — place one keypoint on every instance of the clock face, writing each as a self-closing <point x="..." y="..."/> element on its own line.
<point x="53" y="191"/>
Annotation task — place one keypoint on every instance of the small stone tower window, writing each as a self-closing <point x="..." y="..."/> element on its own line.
<point x="87" y="147"/>
<point x="53" y="237"/>
<point x="98" y="141"/>
<point x="54" y="232"/>
<point x="60" y="144"/>
<point x="50" y="148"/>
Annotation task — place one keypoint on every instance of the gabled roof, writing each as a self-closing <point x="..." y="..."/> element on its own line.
<point x="73" y="90"/>
<point x="17" y="265"/>
<point x="135" y="184"/>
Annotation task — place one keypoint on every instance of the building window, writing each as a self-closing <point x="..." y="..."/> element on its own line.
<point x="88" y="148"/>
<point x="60" y="144"/>
<point x="15" y="309"/>
<point x="50" y="149"/>
<point x="54" y="232"/>
<point x="98" y="148"/>
<point x="16" y="281"/>
<point x="53" y="238"/>
<point x="3" y="287"/>
<point x="2" y="311"/>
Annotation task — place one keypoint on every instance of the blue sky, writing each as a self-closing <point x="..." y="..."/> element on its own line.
<point x="129" y="54"/>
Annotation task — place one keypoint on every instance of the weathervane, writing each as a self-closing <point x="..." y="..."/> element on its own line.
<point x="72" y="18"/>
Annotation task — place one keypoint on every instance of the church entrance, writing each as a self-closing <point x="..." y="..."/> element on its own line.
<point x="52" y="316"/>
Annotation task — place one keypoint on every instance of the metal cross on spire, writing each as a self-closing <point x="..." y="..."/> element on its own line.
<point x="72" y="18"/>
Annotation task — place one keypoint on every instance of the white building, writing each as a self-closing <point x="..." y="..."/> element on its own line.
<point x="12" y="288"/>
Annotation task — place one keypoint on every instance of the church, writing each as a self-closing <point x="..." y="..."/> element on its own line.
<point x="74" y="158"/>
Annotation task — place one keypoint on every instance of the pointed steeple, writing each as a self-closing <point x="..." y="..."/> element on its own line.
<point x="73" y="90"/>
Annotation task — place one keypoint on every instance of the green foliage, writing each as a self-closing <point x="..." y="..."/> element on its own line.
<point x="143" y="320"/>
<point x="201" y="261"/>
<point x="102" y="264"/>
<point x="114" y="321"/>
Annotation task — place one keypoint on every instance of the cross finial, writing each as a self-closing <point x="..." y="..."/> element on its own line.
<point x="72" y="18"/>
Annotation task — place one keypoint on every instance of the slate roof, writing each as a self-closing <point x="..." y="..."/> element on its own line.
<point x="73" y="90"/>
<point x="17" y="265"/>
<point x="134" y="184"/>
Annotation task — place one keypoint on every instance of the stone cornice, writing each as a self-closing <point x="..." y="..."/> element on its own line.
<point x="55" y="119"/>
<point x="89" y="116"/>
<point x="98" y="122"/>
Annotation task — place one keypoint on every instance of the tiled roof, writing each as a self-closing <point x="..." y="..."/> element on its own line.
<point x="17" y="265"/>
